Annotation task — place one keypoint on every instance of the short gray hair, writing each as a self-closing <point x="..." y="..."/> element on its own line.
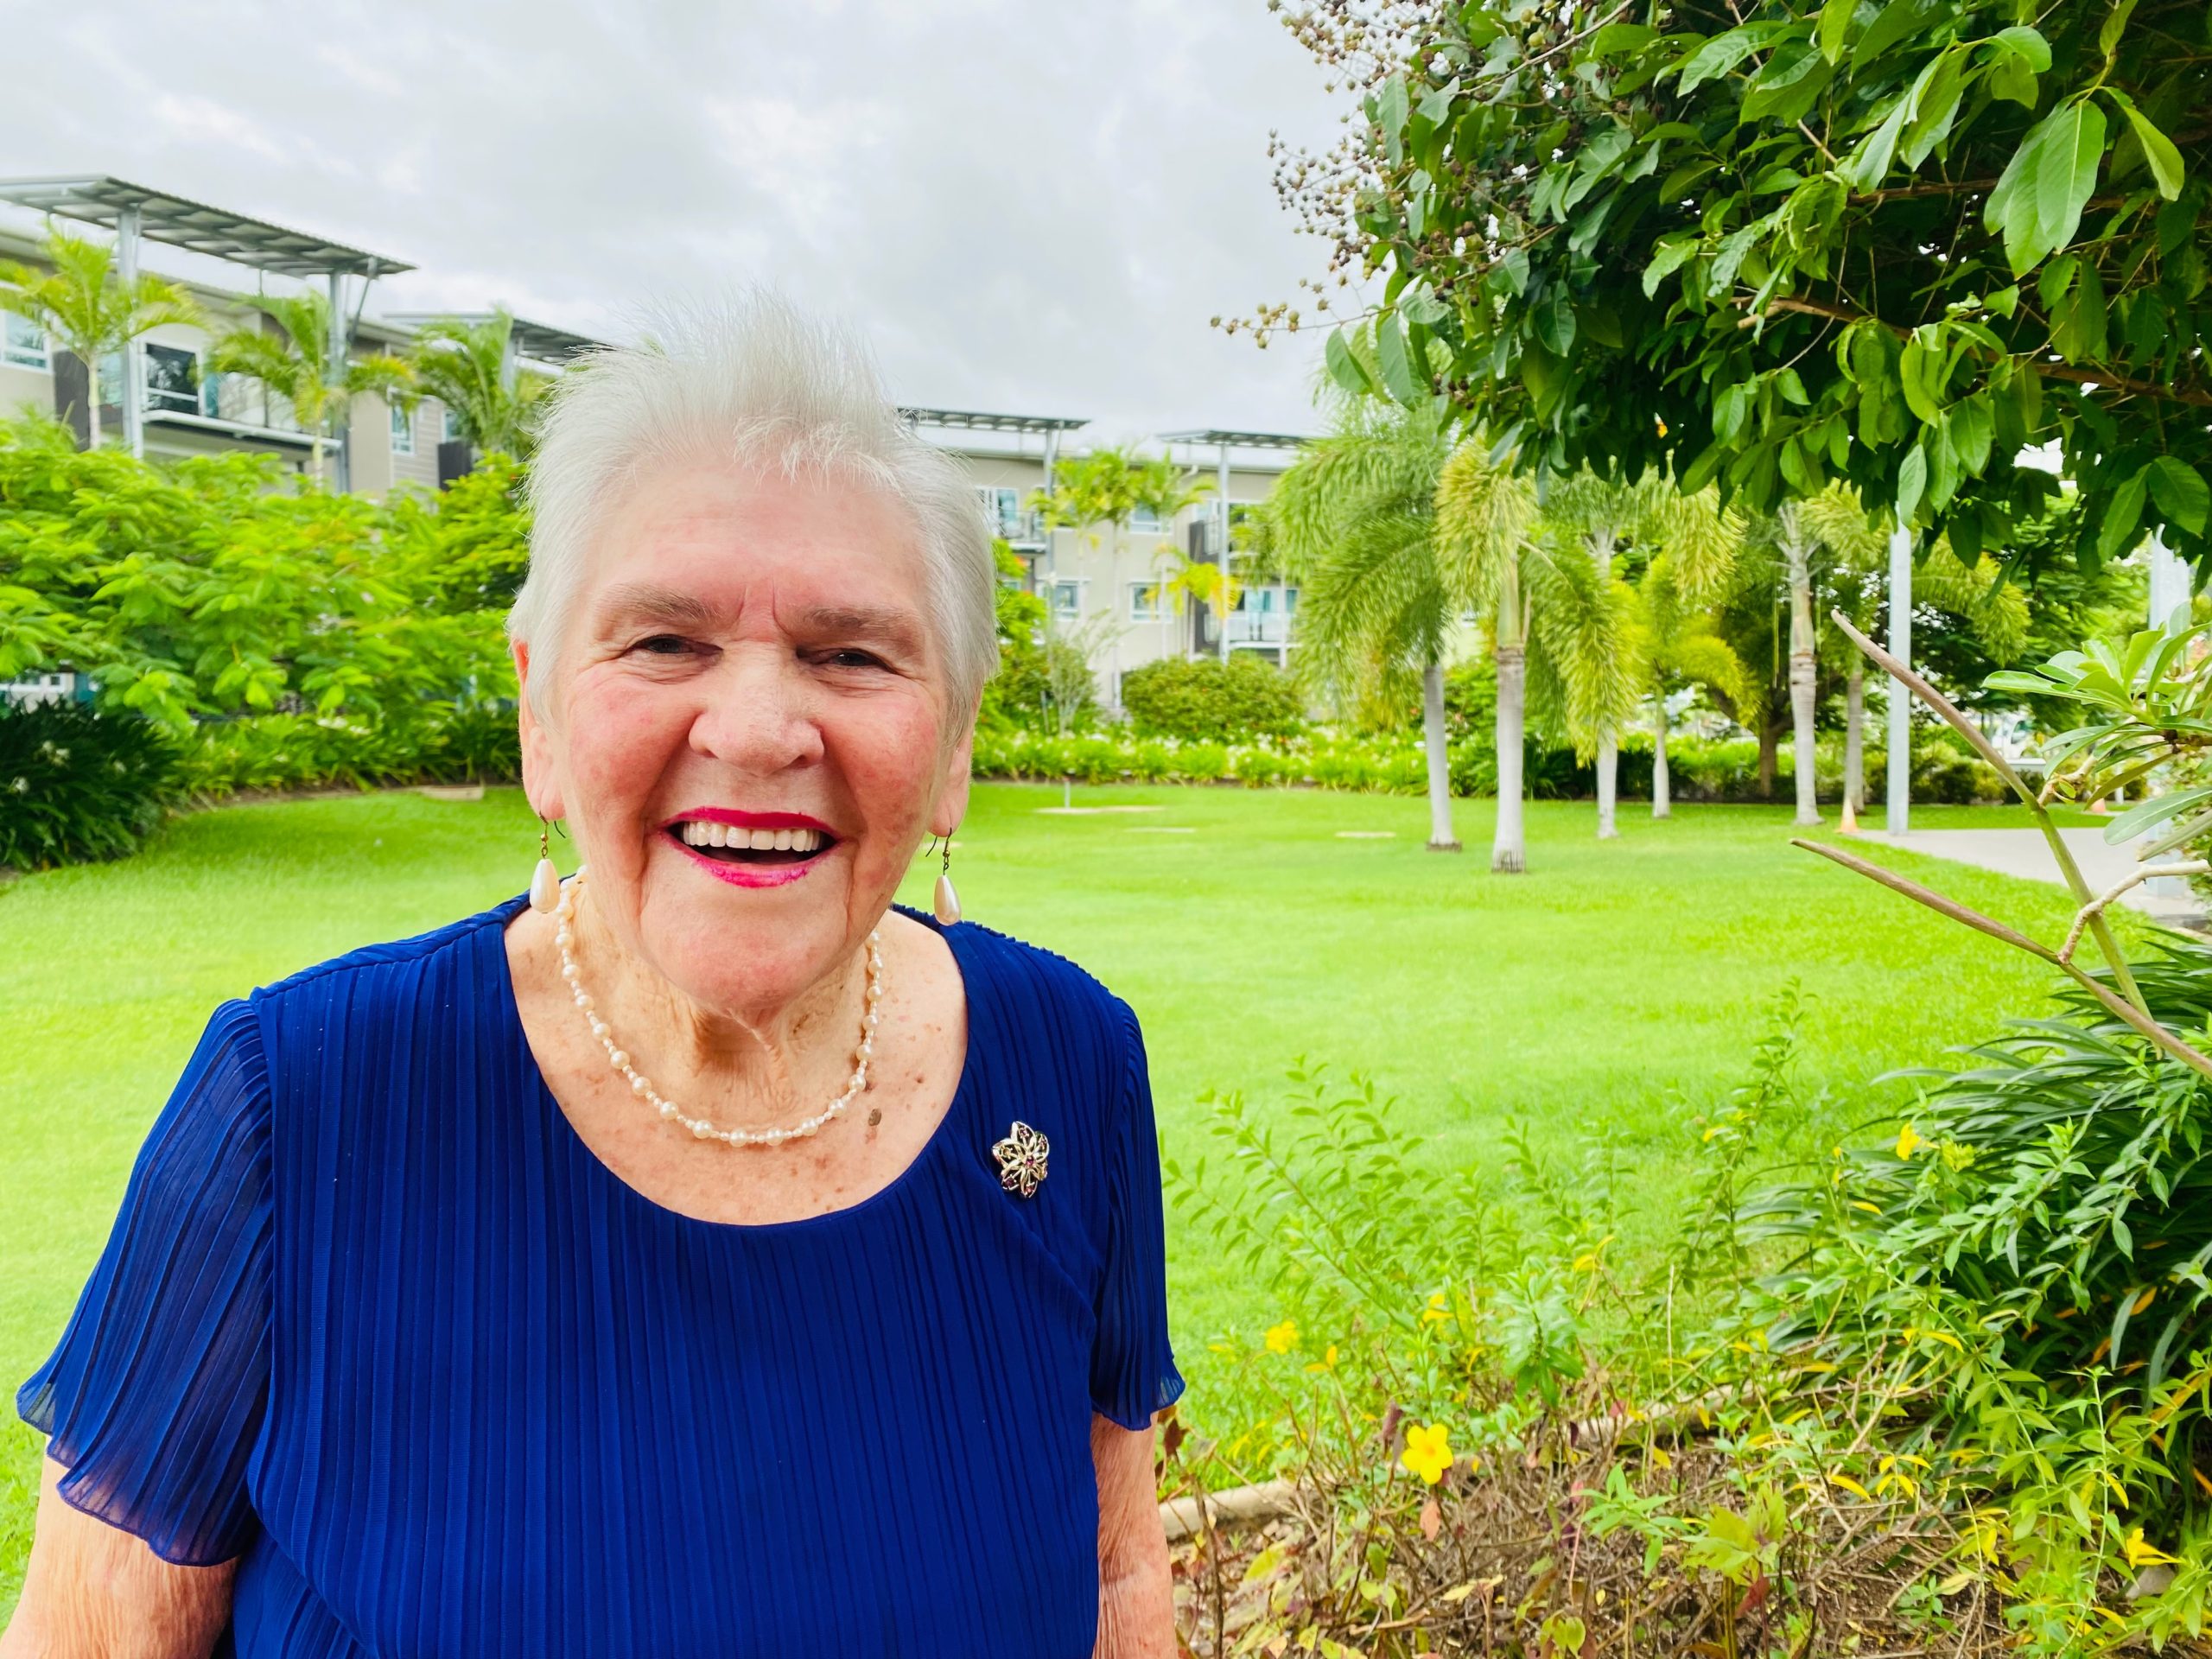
<point x="747" y="377"/>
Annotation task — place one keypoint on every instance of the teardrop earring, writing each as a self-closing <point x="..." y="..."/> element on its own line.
<point x="545" y="882"/>
<point x="948" y="901"/>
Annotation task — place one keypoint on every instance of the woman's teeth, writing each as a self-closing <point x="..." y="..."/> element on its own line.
<point x="736" y="838"/>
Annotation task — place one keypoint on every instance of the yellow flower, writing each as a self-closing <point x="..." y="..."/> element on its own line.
<point x="1436" y="1312"/>
<point x="1327" y="1362"/>
<point x="1908" y="1141"/>
<point x="1427" y="1453"/>
<point x="2142" y="1554"/>
<point x="1281" y="1338"/>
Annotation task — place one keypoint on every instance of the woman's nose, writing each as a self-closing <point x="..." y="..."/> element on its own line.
<point x="760" y="714"/>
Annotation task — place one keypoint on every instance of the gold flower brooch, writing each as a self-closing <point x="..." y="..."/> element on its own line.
<point x="1021" y="1159"/>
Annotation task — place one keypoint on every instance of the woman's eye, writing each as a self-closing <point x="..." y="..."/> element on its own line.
<point x="853" y="657"/>
<point x="663" y="645"/>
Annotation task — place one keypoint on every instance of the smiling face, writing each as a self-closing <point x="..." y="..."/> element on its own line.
<point x="751" y="732"/>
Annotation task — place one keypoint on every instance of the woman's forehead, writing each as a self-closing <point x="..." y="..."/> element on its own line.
<point x="704" y="526"/>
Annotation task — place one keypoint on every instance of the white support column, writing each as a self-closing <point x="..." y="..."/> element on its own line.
<point x="2169" y="581"/>
<point x="1221" y="501"/>
<point x="341" y="431"/>
<point x="1900" y="759"/>
<point x="134" y="399"/>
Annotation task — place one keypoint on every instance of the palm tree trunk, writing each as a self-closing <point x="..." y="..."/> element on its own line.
<point x="1609" y="748"/>
<point x="1854" y="736"/>
<point x="1509" y="851"/>
<point x="1662" y="805"/>
<point x="1802" y="675"/>
<point x="1609" y="755"/>
<point x="1440" y="838"/>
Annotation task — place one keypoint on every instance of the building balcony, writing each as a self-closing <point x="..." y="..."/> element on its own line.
<point x="1258" y="628"/>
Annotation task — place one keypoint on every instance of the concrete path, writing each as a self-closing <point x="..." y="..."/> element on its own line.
<point x="2025" y="852"/>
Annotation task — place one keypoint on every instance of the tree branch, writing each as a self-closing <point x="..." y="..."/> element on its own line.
<point x="2194" y="396"/>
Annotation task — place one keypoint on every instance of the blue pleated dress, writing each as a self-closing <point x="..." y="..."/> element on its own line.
<point x="375" y="1318"/>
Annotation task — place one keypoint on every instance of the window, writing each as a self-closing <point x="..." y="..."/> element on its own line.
<point x="172" y="379"/>
<point x="1146" y="601"/>
<point x="403" y="431"/>
<point x="1067" y="598"/>
<point x="1146" y="519"/>
<point x="453" y="432"/>
<point x="24" y="344"/>
<point x="1001" y="509"/>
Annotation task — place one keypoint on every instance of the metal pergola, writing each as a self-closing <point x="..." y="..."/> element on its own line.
<point x="539" y="342"/>
<point x="1223" y="439"/>
<point x="134" y="212"/>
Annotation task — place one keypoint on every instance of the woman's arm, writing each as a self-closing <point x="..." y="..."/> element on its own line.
<point x="91" y="1590"/>
<point x="1136" y="1596"/>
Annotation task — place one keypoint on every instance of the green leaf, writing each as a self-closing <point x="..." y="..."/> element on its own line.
<point x="1554" y="323"/>
<point x="2152" y="813"/>
<point x="2115" y="25"/>
<point x="1723" y="52"/>
<point x="1345" y="368"/>
<point x="1666" y="262"/>
<point x="1836" y="18"/>
<point x="2159" y="150"/>
<point x="2123" y="519"/>
<point x="1912" y="483"/>
<point x="1895" y="20"/>
<point x="1935" y="97"/>
<point x="2066" y="168"/>
<point x="2027" y="43"/>
<point x="1870" y="163"/>
<point x="1396" y="363"/>
<point x="2180" y="491"/>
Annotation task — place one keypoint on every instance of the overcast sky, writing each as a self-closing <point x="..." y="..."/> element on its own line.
<point x="1029" y="205"/>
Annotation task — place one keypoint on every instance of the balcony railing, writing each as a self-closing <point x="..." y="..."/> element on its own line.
<point x="1259" y="628"/>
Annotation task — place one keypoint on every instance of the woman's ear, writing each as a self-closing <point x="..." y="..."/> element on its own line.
<point x="541" y="778"/>
<point x="952" y="799"/>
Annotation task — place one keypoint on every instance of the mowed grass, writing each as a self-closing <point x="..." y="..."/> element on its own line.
<point x="1615" y="990"/>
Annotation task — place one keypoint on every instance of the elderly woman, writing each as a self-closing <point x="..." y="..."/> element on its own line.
<point x="704" y="1257"/>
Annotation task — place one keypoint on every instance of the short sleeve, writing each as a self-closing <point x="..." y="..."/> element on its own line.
<point x="155" y="1393"/>
<point x="1133" y="1372"/>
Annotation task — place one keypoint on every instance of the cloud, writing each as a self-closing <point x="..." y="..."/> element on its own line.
<point x="1028" y="207"/>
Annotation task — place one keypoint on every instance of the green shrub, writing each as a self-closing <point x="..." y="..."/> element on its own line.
<point x="1205" y="699"/>
<point x="77" y="785"/>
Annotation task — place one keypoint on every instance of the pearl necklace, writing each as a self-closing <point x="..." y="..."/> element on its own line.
<point x="564" y="915"/>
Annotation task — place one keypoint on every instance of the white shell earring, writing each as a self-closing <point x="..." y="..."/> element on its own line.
<point x="545" y="881"/>
<point x="948" y="901"/>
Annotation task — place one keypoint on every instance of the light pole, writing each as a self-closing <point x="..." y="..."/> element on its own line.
<point x="134" y="403"/>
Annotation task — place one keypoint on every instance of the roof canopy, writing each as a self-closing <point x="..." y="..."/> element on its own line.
<point x="541" y="342"/>
<point x="1237" y="440"/>
<point x="970" y="421"/>
<point x="193" y="224"/>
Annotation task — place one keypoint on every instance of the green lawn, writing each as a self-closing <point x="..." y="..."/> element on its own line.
<point x="1616" y="989"/>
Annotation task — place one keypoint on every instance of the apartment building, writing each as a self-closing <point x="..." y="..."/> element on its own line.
<point x="1112" y="584"/>
<point x="1113" y="587"/>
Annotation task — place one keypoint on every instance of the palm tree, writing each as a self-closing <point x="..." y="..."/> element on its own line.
<point x="470" y="368"/>
<point x="1618" y="522"/>
<point x="1546" y="605"/>
<point x="1164" y="489"/>
<point x="1354" y="519"/>
<point x="292" y="361"/>
<point x="79" y="303"/>
<point x="1677" y="644"/>
<point x="1099" y="488"/>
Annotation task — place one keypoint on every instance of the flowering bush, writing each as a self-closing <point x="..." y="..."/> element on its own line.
<point x="78" y="784"/>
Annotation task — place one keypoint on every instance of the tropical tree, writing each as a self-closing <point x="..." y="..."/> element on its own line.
<point x="1164" y="489"/>
<point x="470" y="368"/>
<point x="1677" y="644"/>
<point x="1354" y="519"/>
<point x="1782" y="241"/>
<point x="1622" y="524"/>
<point x="292" y="361"/>
<point x="1543" y="601"/>
<point x="80" y="302"/>
<point x="1088" y="491"/>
